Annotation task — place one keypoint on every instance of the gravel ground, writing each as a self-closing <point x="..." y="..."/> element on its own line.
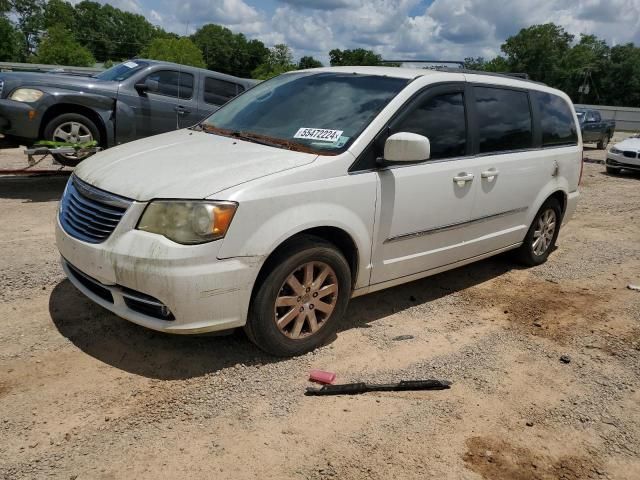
<point x="84" y="394"/>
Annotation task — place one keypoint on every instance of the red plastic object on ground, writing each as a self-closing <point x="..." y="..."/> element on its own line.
<point x="320" y="376"/>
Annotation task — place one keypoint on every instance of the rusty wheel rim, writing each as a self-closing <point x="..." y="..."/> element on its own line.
<point x="306" y="300"/>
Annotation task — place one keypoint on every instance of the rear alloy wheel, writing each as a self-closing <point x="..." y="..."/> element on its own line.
<point x="542" y="235"/>
<point x="298" y="304"/>
<point x="604" y="142"/>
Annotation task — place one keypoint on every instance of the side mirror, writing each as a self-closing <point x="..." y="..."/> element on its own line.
<point x="141" y="87"/>
<point x="407" y="147"/>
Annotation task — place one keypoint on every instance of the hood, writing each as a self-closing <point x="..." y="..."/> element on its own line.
<point x="13" y="80"/>
<point x="632" y="144"/>
<point x="184" y="164"/>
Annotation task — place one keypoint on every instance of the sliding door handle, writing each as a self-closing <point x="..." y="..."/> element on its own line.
<point x="462" y="178"/>
<point x="490" y="174"/>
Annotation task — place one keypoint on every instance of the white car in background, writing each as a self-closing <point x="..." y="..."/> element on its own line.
<point x="315" y="187"/>
<point x="624" y="155"/>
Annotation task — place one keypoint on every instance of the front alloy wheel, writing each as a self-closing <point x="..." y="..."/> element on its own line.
<point x="306" y="300"/>
<point x="300" y="297"/>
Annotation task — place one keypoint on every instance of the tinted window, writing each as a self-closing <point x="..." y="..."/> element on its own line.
<point x="219" y="92"/>
<point x="504" y="119"/>
<point x="170" y="83"/>
<point x="556" y="120"/>
<point x="442" y="120"/>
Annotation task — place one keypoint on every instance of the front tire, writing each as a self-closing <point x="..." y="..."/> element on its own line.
<point x="542" y="234"/>
<point x="299" y="303"/>
<point x="71" y="128"/>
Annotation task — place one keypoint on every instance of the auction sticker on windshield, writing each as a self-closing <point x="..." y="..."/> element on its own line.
<point x="319" y="134"/>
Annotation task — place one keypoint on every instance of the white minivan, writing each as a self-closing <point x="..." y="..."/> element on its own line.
<point x="318" y="186"/>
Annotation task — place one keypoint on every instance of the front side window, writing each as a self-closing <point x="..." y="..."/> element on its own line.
<point x="219" y="92"/>
<point x="556" y="120"/>
<point x="319" y="112"/>
<point x="504" y="119"/>
<point x="442" y="120"/>
<point x="170" y="83"/>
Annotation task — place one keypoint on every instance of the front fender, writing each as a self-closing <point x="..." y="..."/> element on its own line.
<point x="262" y="224"/>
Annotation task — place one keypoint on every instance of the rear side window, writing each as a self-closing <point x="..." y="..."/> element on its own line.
<point x="442" y="120"/>
<point x="504" y="119"/>
<point x="171" y="83"/>
<point x="556" y="120"/>
<point x="219" y="92"/>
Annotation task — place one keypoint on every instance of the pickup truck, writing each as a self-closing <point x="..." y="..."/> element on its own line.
<point x="594" y="128"/>
<point x="132" y="100"/>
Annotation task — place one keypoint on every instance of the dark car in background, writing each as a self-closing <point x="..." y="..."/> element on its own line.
<point x="132" y="100"/>
<point x="594" y="128"/>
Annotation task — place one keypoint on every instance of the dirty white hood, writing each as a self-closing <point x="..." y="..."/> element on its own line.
<point x="632" y="144"/>
<point x="184" y="164"/>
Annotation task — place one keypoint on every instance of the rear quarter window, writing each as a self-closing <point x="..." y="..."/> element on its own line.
<point x="556" y="120"/>
<point x="219" y="92"/>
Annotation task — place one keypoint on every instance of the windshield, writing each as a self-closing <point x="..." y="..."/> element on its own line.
<point x="323" y="112"/>
<point x="122" y="71"/>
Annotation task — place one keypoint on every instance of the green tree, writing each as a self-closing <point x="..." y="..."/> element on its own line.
<point x="621" y="86"/>
<point x="59" y="12"/>
<point x="477" y="63"/>
<point x="587" y="63"/>
<point x="359" y="56"/>
<point x="10" y="41"/>
<point x="309" y="62"/>
<point x="538" y="50"/>
<point x="60" y="48"/>
<point x="228" y="52"/>
<point x="178" y="50"/>
<point x="279" y="60"/>
<point x="29" y="18"/>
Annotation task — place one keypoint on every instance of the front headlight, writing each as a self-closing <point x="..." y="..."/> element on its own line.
<point x="188" y="222"/>
<point x="615" y="151"/>
<point x="26" y="95"/>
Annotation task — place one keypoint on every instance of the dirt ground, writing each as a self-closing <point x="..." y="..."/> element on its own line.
<point x="86" y="395"/>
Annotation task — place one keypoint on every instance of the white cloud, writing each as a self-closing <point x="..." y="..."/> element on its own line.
<point x="444" y="29"/>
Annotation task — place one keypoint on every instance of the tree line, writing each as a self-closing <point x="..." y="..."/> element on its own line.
<point x="586" y="68"/>
<point x="58" y="32"/>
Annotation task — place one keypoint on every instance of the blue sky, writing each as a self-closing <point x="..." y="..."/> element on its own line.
<point x="434" y="29"/>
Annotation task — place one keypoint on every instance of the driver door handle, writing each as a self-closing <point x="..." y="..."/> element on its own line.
<point x="490" y="174"/>
<point x="463" y="178"/>
<point x="181" y="110"/>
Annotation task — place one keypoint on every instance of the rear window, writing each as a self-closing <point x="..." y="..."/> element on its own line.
<point x="556" y="120"/>
<point x="219" y="92"/>
<point x="504" y="119"/>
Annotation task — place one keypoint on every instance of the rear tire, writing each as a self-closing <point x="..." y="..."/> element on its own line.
<point x="612" y="170"/>
<point x="73" y="128"/>
<point x="542" y="234"/>
<point x="604" y="142"/>
<point x="286" y="317"/>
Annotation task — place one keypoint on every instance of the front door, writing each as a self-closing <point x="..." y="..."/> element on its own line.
<point x="425" y="208"/>
<point x="168" y="103"/>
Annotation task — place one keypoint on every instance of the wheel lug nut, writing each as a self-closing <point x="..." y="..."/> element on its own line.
<point x="299" y="298"/>
<point x="308" y="289"/>
<point x="311" y="307"/>
<point x="315" y="294"/>
<point x="302" y="309"/>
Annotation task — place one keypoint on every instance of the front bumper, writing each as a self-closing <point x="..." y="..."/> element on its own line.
<point x="203" y="293"/>
<point x="15" y="121"/>
<point x="620" y="161"/>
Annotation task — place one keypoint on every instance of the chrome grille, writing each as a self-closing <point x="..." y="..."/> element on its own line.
<point x="629" y="154"/>
<point x="90" y="214"/>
